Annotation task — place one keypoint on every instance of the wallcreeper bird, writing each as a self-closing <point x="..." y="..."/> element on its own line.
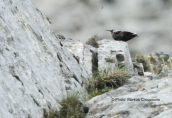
<point x="122" y="35"/>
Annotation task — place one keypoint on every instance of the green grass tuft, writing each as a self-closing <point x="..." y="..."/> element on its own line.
<point x="53" y="114"/>
<point x="104" y="81"/>
<point x="71" y="107"/>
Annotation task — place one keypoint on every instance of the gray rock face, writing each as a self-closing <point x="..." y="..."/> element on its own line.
<point x="90" y="59"/>
<point x="76" y="48"/>
<point x="138" y="68"/>
<point x="140" y="97"/>
<point x="36" y="71"/>
<point x="86" y="55"/>
<point x="113" y="53"/>
<point x="109" y="54"/>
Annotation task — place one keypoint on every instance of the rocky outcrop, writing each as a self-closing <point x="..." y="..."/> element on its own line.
<point x="85" y="55"/>
<point x="36" y="70"/>
<point x="113" y="54"/>
<point x="139" y="97"/>
<point x="107" y="54"/>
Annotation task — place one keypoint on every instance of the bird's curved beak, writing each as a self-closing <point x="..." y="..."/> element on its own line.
<point x="109" y="30"/>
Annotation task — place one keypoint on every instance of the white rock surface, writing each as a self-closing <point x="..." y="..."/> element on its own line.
<point x="82" y="52"/>
<point x="75" y="47"/>
<point x="140" y="97"/>
<point x="97" y="58"/>
<point x="90" y="54"/>
<point x="35" y="69"/>
<point x="109" y="48"/>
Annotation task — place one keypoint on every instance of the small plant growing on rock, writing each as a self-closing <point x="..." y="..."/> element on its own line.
<point x="71" y="107"/>
<point x="142" y="59"/>
<point x="104" y="81"/>
<point x="157" y="63"/>
<point x="169" y="60"/>
<point x="151" y="65"/>
<point x="52" y="114"/>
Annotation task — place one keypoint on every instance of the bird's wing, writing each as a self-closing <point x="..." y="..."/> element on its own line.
<point x="127" y="36"/>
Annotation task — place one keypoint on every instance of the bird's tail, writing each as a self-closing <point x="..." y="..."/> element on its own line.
<point x="135" y="35"/>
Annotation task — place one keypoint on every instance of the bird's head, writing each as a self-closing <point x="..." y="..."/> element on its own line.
<point x="112" y="30"/>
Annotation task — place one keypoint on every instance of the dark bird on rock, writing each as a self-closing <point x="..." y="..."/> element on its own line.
<point x="122" y="35"/>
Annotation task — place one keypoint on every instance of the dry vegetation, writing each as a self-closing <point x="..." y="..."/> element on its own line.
<point x="104" y="81"/>
<point x="153" y="63"/>
<point x="71" y="107"/>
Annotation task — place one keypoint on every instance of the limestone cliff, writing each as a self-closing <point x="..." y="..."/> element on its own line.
<point x="36" y="70"/>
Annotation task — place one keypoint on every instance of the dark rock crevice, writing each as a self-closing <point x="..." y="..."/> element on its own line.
<point x="17" y="77"/>
<point x="94" y="61"/>
<point x="35" y="101"/>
